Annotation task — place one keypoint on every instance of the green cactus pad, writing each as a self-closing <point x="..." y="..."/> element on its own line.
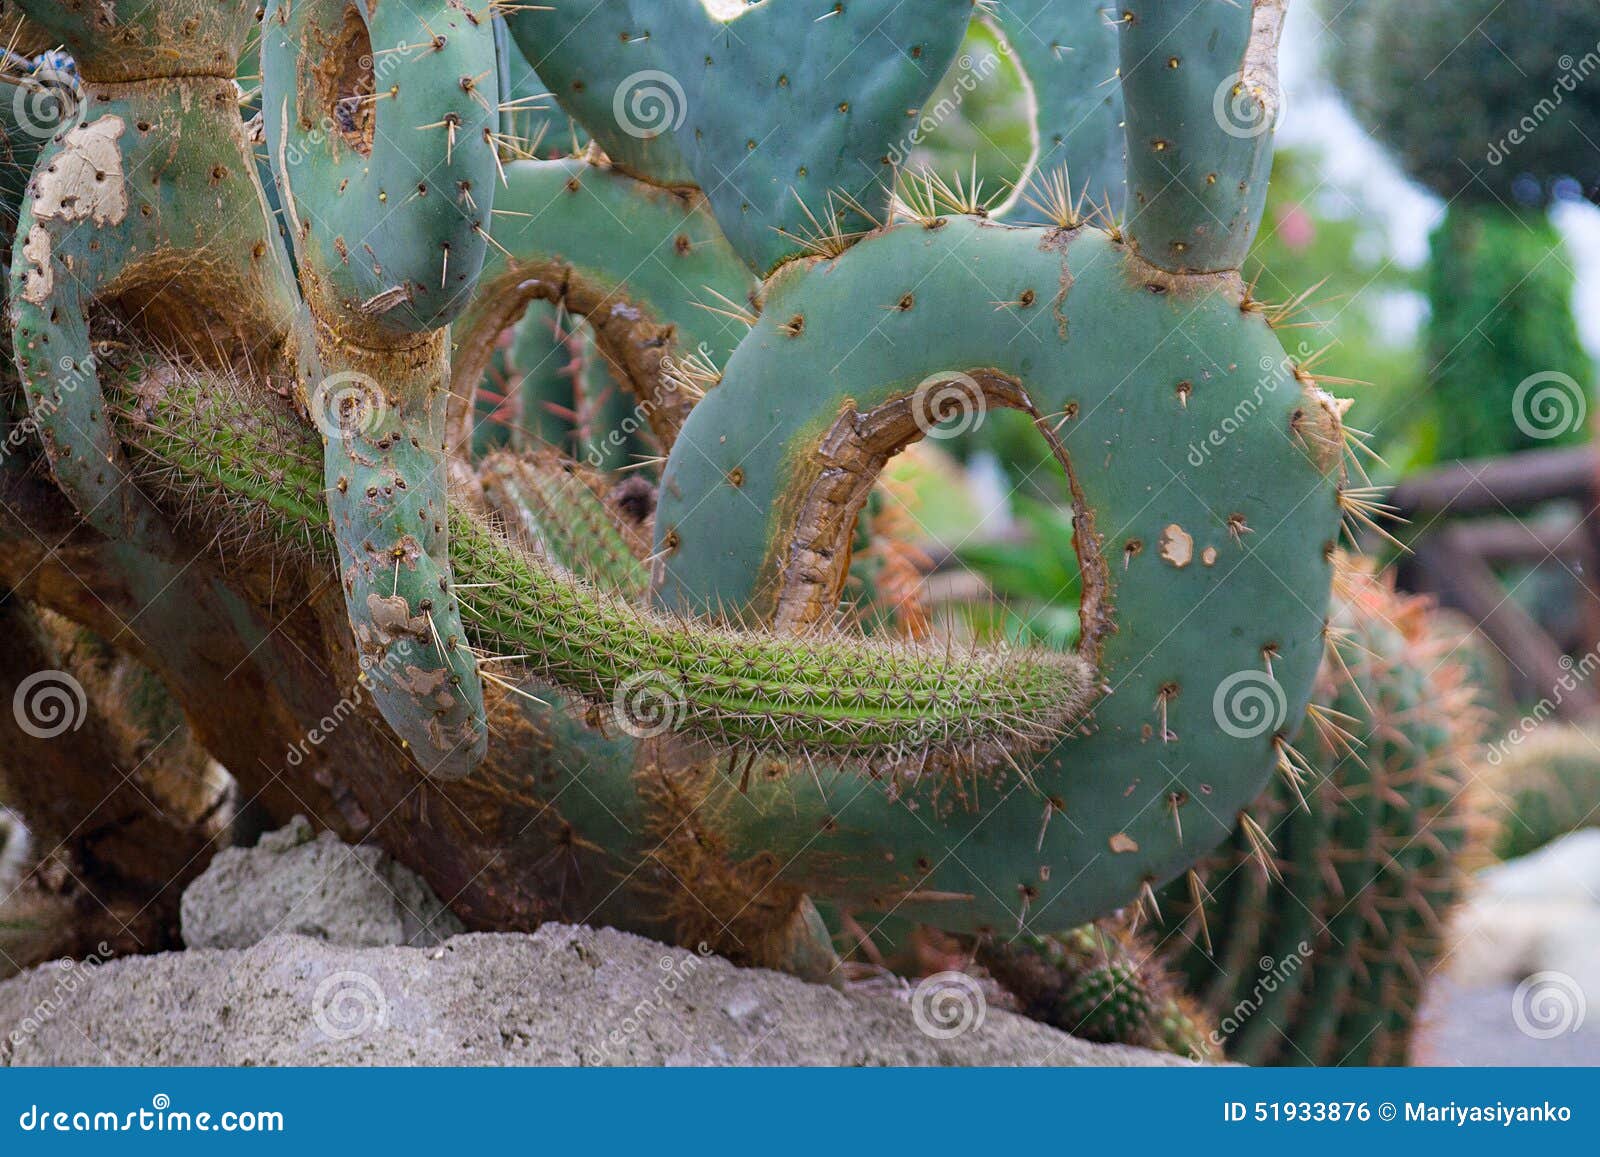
<point x="772" y="108"/>
<point x="1200" y="86"/>
<point x="120" y="220"/>
<point x="646" y="267"/>
<point x="1068" y="52"/>
<point x="1205" y="560"/>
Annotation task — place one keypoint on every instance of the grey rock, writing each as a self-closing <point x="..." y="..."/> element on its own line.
<point x="294" y="882"/>
<point x="561" y="996"/>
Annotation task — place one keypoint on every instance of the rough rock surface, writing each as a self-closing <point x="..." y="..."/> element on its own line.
<point x="296" y="883"/>
<point x="562" y="996"/>
<point x="297" y="957"/>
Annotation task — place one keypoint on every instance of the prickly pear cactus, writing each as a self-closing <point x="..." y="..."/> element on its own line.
<point x="388" y="185"/>
<point x="1311" y="935"/>
<point x="157" y="151"/>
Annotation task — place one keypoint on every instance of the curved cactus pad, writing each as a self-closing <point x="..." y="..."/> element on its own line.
<point x="1206" y="471"/>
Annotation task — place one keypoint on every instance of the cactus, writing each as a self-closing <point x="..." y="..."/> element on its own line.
<point x="1068" y="52"/>
<point x="805" y="773"/>
<point x="109" y="202"/>
<point x="1315" y="951"/>
<point x="248" y="475"/>
<point x="785" y="119"/>
<point x="388" y="192"/>
<point x="1104" y="983"/>
<point x="1539" y="787"/>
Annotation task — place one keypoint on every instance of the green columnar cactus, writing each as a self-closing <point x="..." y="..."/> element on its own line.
<point x="554" y="505"/>
<point x="159" y="144"/>
<point x="1068" y="52"/>
<point x="1316" y="953"/>
<point x="1541" y="786"/>
<point x="388" y="186"/>
<point x="784" y="117"/>
<point x="249" y="474"/>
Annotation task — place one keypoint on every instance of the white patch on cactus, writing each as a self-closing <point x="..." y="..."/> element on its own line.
<point x="1177" y="546"/>
<point x="39" y="282"/>
<point x="85" y="181"/>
